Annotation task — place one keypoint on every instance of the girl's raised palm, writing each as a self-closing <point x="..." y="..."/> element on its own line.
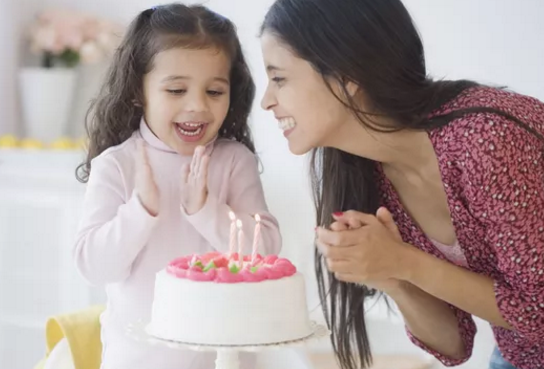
<point x="194" y="182"/>
<point x="146" y="187"/>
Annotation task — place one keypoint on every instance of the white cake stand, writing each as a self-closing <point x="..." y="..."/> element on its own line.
<point x="227" y="355"/>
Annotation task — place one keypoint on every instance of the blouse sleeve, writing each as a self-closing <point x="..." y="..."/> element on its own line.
<point x="467" y="330"/>
<point x="505" y="184"/>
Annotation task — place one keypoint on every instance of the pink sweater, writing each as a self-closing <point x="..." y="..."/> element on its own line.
<point x="493" y="174"/>
<point x="120" y="246"/>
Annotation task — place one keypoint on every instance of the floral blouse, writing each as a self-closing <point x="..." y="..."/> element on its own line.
<point x="493" y="175"/>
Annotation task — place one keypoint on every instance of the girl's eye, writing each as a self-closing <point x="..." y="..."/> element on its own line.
<point x="176" y="92"/>
<point x="278" y="80"/>
<point x="215" y="93"/>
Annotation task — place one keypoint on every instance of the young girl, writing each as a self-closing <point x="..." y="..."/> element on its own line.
<point x="170" y="155"/>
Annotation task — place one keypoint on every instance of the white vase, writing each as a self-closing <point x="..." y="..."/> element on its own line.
<point x="46" y="100"/>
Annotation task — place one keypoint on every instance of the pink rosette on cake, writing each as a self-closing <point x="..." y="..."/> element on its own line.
<point x="253" y="276"/>
<point x="286" y="267"/>
<point x="270" y="259"/>
<point x="272" y="273"/>
<point x="197" y="275"/>
<point x="224" y="275"/>
<point x="178" y="267"/>
<point x="216" y="267"/>
<point x="236" y="257"/>
<point x="257" y="260"/>
<point x="206" y="258"/>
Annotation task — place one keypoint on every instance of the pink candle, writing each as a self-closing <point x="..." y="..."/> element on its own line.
<point x="232" y="242"/>
<point x="240" y="242"/>
<point x="256" y="237"/>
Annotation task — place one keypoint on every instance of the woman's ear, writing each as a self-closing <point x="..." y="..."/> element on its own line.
<point x="351" y="88"/>
<point x="136" y="103"/>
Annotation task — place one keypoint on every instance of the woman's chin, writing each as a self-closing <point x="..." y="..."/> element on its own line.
<point x="298" y="149"/>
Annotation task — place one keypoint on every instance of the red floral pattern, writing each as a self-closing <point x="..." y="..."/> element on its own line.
<point x="493" y="174"/>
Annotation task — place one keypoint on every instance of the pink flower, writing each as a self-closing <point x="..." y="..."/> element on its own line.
<point x="58" y="30"/>
<point x="90" y="53"/>
<point x="44" y="38"/>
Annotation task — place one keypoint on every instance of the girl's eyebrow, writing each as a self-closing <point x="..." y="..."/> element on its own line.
<point x="175" y="78"/>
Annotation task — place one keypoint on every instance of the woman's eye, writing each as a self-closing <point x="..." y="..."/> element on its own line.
<point x="278" y="79"/>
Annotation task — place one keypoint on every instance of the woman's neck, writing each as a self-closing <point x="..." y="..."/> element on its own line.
<point x="406" y="152"/>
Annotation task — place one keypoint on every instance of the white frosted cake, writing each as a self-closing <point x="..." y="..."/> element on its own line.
<point x="211" y="300"/>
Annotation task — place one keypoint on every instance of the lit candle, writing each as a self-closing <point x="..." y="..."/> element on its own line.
<point x="232" y="243"/>
<point x="240" y="243"/>
<point x="256" y="237"/>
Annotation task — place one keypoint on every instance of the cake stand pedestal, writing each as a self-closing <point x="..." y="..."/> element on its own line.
<point x="227" y="359"/>
<point x="227" y="355"/>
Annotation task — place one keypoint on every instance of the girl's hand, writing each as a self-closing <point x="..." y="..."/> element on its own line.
<point x="146" y="188"/>
<point x="194" y="182"/>
<point x="369" y="252"/>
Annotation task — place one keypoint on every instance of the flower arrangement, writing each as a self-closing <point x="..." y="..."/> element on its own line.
<point x="68" y="38"/>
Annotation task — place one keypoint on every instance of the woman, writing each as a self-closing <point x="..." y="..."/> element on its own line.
<point x="441" y="182"/>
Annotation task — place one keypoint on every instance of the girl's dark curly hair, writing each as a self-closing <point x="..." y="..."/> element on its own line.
<point x="116" y="113"/>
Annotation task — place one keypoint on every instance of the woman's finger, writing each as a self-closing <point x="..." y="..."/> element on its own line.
<point x="343" y="238"/>
<point x="387" y="220"/>
<point x="339" y="266"/>
<point x="333" y="252"/>
<point x="348" y="277"/>
<point x="339" y="226"/>
<point x="356" y="219"/>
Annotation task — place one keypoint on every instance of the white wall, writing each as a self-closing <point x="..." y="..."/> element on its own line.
<point x="497" y="41"/>
<point x="9" y="13"/>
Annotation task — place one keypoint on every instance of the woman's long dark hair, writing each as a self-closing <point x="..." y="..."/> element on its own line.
<point x="116" y="113"/>
<point x="374" y="44"/>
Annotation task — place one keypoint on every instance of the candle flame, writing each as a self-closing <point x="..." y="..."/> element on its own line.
<point x="239" y="223"/>
<point x="232" y="216"/>
<point x="257" y="218"/>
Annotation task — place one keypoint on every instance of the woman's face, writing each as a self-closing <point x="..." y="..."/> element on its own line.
<point x="307" y="111"/>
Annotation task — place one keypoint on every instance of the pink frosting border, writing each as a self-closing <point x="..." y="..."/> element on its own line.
<point x="270" y="267"/>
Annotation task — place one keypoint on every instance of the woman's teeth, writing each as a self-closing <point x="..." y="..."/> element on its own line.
<point x="286" y="124"/>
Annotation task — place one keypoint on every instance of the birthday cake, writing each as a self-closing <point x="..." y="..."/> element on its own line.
<point x="218" y="299"/>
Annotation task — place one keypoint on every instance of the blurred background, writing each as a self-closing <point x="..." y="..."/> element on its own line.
<point x="41" y="129"/>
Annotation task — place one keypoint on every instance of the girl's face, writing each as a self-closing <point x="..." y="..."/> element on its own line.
<point x="187" y="96"/>
<point x="306" y="109"/>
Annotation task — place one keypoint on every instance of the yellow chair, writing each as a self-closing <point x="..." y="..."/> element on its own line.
<point x="80" y="332"/>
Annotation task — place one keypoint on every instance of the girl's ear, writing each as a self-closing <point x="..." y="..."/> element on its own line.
<point x="136" y="103"/>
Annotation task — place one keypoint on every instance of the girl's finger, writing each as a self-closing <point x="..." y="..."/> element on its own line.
<point x="185" y="171"/>
<point x="199" y="153"/>
<point x="203" y="170"/>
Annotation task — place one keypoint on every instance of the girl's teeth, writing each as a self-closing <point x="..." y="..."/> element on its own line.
<point x="190" y="133"/>
<point x="286" y="123"/>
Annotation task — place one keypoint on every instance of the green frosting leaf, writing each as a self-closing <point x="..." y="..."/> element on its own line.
<point x="234" y="268"/>
<point x="210" y="265"/>
<point x="199" y="264"/>
<point x="254" y="269"/>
